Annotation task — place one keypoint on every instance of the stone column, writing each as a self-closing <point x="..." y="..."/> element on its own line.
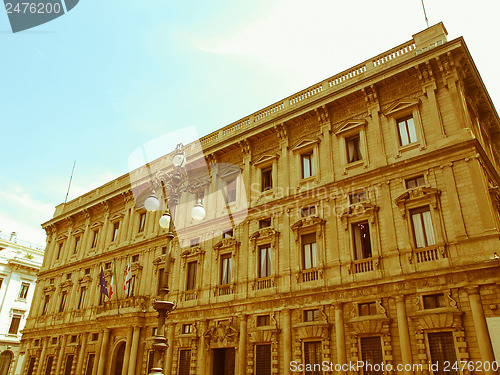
<point x="126" y="357"/>
<point x="103" y="352"/>
<point x="133" y="351"/>
<point x="287" y="340"/>
<point x="482" y="334"/>
<point x="61" y="354"/>
<point x="170" y="349"/>
<point x="81" y="354"/>
<point x="202" y="349"/>
<point x="42" y="356"/>
<point x="404" y="333"/>
<point x="340" y="334"/>
<point x="242" y="349"/>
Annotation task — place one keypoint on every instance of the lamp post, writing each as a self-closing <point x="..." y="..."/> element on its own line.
<point x="172" y="185"/>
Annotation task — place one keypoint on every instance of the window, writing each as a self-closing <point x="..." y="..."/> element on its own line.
<point x="187" y="328"/>
<point x="366" y="309"/>
<point x="361" y="239"/>
<point x="73" y="339"/>
<point x="225" y="269"/>
<point x="64" y="295"/>
<point x="195" y="242"/>
<point x="68" y="364"/>
<point x="107" y="265"/>
<point x="135" y="258"/>
<point x="358" y="197"/>
<point x="87" y="271"/>
<point x="14" y="324"/>
<point x="101" y="299"/>
<point x="415" y="182"/>
<point x="142" y="222"/>
<point x="31" y="366"/>
<point x="267" y="179"/>
<point x="406" y="131"/>
<point x="131" y="287"/>
<point x="23" y="293"/>
<point x="308" y="211"/>
<point x="228" y="233"/>
<point x="95" y="238"/>
<point x="434" y="301"/>
<point x="59" y="250"/>
<point x="45" y="304"/>
<point x="263" y="359"/>
<point x="37" y="342"/>
<point x="307" y="161"/>
<point x="371" y="353"/>
<point x="352" y="148"/>
<point x="90" y="364"/>
<point x="423" y="231"/>
<point x="184" y="362"/>
<point x="77" y="242"/>
<point x="263" y="320"/>
<point x="265" y="261"/>
<point x="116" y="226"/>
<point x="311" y="315"/>
<point x="231" y="190"/>
<point x="312" y="356"/>
<point x="442" y="349"/>
<point x="53" y="340"/>
<point x="68" y="276"/>
<point x="191" y="275"/>
<point x="163" y="250"/>
<point x="95" y="336"/>
<point x="81" y="301"/>
<point x="51" y="281"/>
<point x="309" y="252"/>
<point x="264" y="223"/>
<point x="48" y="367"/>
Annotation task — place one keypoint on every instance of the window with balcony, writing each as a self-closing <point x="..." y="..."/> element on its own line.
<point x="23" y="293"/>
<point x="225" y="269"/>
<point x="59" y="250"/>
<point x="191" y="275"/>
<point x="352" y="145"/>
<point x="95" y="238"/>
<point x="307" y="161"/>
<point x="361" y="240"/>
<point x="434" y="301"/>
<point x="423" y="231"/>
<point x="309" y="251"/>
<point x="116" y="227"/>
<point x="45" y="307"/>
<point x="266" y="179"/>
<point x="14" y="324"/>
<point x="81" y="301"/>
<point x="62" y="304"/>
<point x="264" y="261"/>
<point x="406" y="130"/>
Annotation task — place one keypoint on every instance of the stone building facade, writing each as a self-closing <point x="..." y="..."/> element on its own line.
<point x="369" y="227"/>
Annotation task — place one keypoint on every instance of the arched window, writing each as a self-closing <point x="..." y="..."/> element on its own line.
<point x="5" y="360"/>
<point x="120" y="354"/>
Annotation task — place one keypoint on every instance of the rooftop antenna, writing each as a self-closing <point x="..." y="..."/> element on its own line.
<point x="69" y="185"/>
<point x="425" y="14"/>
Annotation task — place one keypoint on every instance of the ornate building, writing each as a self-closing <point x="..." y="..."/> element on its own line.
<point x="368" y="211"/>
<point x="19" y="264"/>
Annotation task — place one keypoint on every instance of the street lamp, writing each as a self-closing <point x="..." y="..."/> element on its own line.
<point x="172" y="185"/>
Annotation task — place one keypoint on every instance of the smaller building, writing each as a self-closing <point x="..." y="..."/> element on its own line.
<point x="19" y="265"/>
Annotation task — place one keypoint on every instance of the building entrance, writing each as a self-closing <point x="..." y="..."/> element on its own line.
<point x="223" y="360"/>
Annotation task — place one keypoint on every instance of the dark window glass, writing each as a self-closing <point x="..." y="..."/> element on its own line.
<point x="353" y="151"/>
<point x="264" y="223"/>
<point x="68" y="365"/>
<point x="371" y="354"/>
<point x="23" y="293"/>
<point x="142" y="222"/>
<point x="312" y="355"/>
<point x="48" y="367"/>
<point x="64" y="295"/>
<point x="415" y="182"/>
<point x="184" y="361"/>
<point x="95" y="238"/>
<point x="311" y="315"/>
<point x="263" y="359"/>
<point x="267" y="179"/>
<point x="308" y="211"/>
<point x="434" y="301"/>
<point x="81" y="301"/>
<point x="225" y="269"/>
<point x="14" y="324"/>
<point x="90" y="364"/>
<point x="366" y="309"/>
<point x="263" y="320"/>
<point x="442" y="349"/>
<point x="191" y="275"/>
<point x="361" y="237"/>
<point x="309" y="251"/>
<point x="265" y="261"/>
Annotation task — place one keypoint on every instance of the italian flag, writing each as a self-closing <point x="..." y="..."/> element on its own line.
<point x="112" y="285"/>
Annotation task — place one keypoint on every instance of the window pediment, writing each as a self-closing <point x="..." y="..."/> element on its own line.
<point x="192" y="252"/>
<point x="117" y="217"/>
<point x="264" y="159"/>
<point x="61" y="238"/>
<point x="226" y="245"/>
<point x="49" y="288"/>
<point x="97" y="224"/>
<point x="264" y="235"/>
<point x="358" y="210"/>
<point x="401" y="105"/>
<point x="304" y="143"/>
<point x="308" y="222"/>
<point x="78" y="232"/>
<point x="66" y="284"/>
<point x="421" y="195"/>
<point x="349" y="125"/>
<point x="85" y="279"/>
<point x="227" y="170"/>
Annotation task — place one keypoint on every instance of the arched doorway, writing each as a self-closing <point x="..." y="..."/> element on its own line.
<point x="120" y="354"/>
<point x="5" y="360"/>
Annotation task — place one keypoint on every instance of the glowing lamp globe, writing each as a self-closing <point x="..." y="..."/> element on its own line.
<point x="179" y="160"/>
<point x="165" y="221"/>
<point x="198" y="212"/>
<point x="152" y="203"/>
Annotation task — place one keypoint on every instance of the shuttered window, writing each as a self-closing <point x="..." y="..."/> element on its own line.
<point x="263" y="359"/>
<point x="48" y="367"/>
<point x="442" y="348"/>
<point x="371" y="353"/>
<point x="312" y="356"/>
<point x="184" y="361"/>
<point x="90" y="364"/>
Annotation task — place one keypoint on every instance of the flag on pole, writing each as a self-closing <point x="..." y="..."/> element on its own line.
<point x="103" y="284"/>
<point x="112" y="285"/>
<point x="128" y="276"/>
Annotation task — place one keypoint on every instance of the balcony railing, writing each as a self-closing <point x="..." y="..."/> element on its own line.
<point x="363" y="265"/>
<point x="190" y="295"/>
<point x="428" y="254"/>
<point x="224" y="290"/>
<point x="310" y="274"/>
<point x="264" y="283"/>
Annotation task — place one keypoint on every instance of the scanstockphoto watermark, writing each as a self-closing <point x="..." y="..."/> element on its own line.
<point x="24" y="14"/>
<point x="357" y="366"/>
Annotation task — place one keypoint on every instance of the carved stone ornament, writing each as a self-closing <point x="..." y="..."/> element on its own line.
<point x="221" y="334"/>
<point x="85" y="279"/>
<point x="357" y="210"/>
<point x="264" y="234"/>
<point x="66" y="284"/>
<point x="307" y="222"/>
<point x="423" y="195"/>
<point x="226" y="244"/>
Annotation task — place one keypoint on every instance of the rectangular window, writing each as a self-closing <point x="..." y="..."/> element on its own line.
<point x="59" y="250"/>
<point x="116" y="226"/>
<point x="307" y="161"/>
<point x="77" y="242"/>
<point x="358" y="197"/>
<point x="434" y="301"/>
<point x="87" y="271"/>
<point x="264" y="223"/>
<point x="53" y="340"/>
<point x="23" y="293"/>
<point x="228" y="233"/>
<point x="90" y="364"/>
<point x="68" y="276"/>
<point x="423" y="231"/>
<point x="187" y="329"/>
<point x="361" y="239"/>
<point x="14" y="324"/>
<point x="267" y="179"/>
<point x="371" y="353"/>
<point x="195" y="242"/>
<point x="107" y="265"/>
<point x="231" y="190"/>
<point x="309" y="252"/>
<point x="191" y="275"/>
<point x="73" y="339"/>
<point x="48" y="367"/>
<point x="81" y="301"/>
<point x="406" y="131"/>
<point x="265" y="261"/>
<point x="135" y="258"/>
<point x="415" y="182"/>
<point x="95" y="238"/>
<point x="184" y="361"/>
<point x="442" y="349"/>
<point x="68" y="364"/>
<point x="308" y="211"/>
<point x="142" y="222"/>
<point x="64" y="295"/>
<point x="352" y="147"/>
<point x="225" y="269"/>
<point x="263" y="320"/>
<point x="311" y="315"/>
<point x="312" y="355"/>
<point x="263" y="359"/>
<point x="163" y="250"/>
<point x="31" y="366"/>
<point x="366" y="309"/>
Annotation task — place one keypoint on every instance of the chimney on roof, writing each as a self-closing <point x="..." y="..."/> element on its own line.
<point x="430" y="38"/>
<point x="13" y="237"/>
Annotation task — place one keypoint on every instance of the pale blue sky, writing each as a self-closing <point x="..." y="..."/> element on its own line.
<point x="105" y="78"/>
